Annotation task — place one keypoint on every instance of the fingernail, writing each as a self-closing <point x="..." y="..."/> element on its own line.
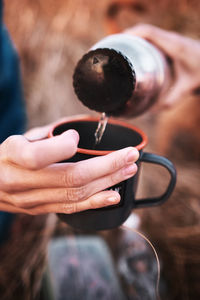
<point x="131" y="169"/>
<point x="132" y="155"/>
<point x="113" y="199"/>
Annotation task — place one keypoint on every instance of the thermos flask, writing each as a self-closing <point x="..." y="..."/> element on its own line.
<point x="121" y="75"/>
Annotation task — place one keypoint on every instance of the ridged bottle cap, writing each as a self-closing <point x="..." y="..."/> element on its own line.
<point x="104" y="80"/>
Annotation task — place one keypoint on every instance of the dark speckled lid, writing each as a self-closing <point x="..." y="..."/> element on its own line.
<point x="104" y="80"/>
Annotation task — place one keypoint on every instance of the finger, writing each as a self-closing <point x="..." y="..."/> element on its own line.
<point x="113" y="179"/>
<point x="105" y="198"/>
<point x="37" y="197"/>
<point x="12" y="209"/>
<point x="39" y="154"/>
<point x="98" y="200"/>
<point x="171" y="43"/>
<point x="66" y="174"/>
<point x="6" y="205"/>
<point x="87" y="171"/>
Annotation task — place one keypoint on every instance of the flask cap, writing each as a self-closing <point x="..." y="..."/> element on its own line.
<point x="104" y="80"/>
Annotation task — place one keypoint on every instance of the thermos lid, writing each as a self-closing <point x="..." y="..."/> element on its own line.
<point x="104" y="80"/>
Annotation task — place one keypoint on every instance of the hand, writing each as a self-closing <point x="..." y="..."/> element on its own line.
<point x="32" y="182"/>
<point x="185" y="55"/>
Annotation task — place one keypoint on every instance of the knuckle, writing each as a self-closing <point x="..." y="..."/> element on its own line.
<point x="68" y="178"/>
<point x="69" y="208"/>
<point x="74" y="177"/>
<point x="75" y="194"/>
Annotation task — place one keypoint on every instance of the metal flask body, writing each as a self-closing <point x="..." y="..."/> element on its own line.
<point x="147" y="63"/>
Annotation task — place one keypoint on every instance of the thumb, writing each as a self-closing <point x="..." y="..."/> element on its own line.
<point x="39" y="154"/>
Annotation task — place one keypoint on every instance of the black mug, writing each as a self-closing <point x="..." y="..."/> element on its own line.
<point x="117" y="135"/>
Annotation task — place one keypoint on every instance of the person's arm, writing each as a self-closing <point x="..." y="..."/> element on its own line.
<point x="32" y="182"/>
<point x="185" y="55"/>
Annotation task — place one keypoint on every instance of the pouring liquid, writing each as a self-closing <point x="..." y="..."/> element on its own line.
<point x="100" y="128"/>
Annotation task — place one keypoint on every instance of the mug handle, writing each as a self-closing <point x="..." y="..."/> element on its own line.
<point x="163" y="161"/>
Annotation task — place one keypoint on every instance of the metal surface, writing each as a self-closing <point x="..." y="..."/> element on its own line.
<point x="149" y="64"/>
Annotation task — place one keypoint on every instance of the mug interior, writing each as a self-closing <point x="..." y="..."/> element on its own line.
<point x="117" y="135"/>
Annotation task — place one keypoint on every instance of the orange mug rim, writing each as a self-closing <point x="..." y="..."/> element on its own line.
<point x="140" y="146"/>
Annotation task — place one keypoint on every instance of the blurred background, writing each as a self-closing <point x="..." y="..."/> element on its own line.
<point x="51" y="36"/>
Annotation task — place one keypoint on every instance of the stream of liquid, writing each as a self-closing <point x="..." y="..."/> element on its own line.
<point x="100" y="128"/>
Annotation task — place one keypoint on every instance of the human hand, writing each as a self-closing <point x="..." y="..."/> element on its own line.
<point x="185" y="55"/>
<point x="32" y="182"/>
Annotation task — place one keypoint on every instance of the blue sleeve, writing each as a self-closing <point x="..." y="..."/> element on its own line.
<point x="12" y="110"/>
